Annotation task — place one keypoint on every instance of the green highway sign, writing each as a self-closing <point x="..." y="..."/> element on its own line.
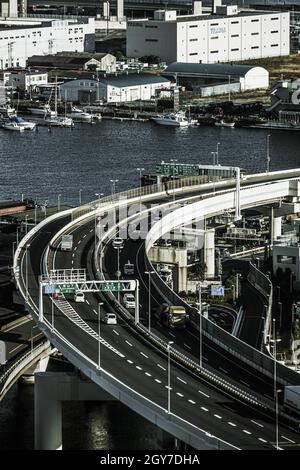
<point x="66" y="288"/>
<point x="169" y="169"/>
<point x="114" y="286"/>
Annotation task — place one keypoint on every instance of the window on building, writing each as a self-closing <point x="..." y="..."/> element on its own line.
<point x="194" y="39"/>
<point x="214" y="24"/>
<point x="235" y="49"/>
<point x="214" y="37"/>
<point x="193" y="26"/>
<point x="273" y="32"/>
<point x="151" y="40"/>
<point x="274" y="45"/>
<point x="235" y="35"/>
<point x="255" y="47"/>
<point x="234" y="22"/>
<point x="274" y="18"/>
<point x="214" y="52"/>
<point x="254" y="34"/>
<point x="255" y="21"/>
<point x="151" y="26"/>
<point x="193" y="53"/>
<point x="286" y="259"/>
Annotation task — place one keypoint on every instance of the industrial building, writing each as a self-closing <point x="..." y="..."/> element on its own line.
<point x="21" y="38"/>
<point x="216" y="79"/>
<point x="285" y="100"/>
<point x="225" y="35"/>
<point x="27" y="80"/>
<point x="114" y="88"/>
<point x="74" y="61"/>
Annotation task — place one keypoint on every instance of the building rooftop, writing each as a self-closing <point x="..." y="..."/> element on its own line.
<point x="132" y="79"/>
<point x="208" y="69"/>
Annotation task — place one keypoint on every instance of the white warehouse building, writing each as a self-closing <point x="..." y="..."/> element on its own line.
<point x="22" y="38"/>
<point x="210" y="38"/>
<point x="114" y="88"/>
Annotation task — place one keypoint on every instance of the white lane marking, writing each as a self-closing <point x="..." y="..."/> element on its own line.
<point x="72" y="261"/>
<point x="128" y="343"/>
<point x="183" y="381"/>
<point x="204" y="358"/>
<point x="218" y="416"/>
<point x="204" y="409"/>
<point x="246" y="432"/>
<point x="17" y="347"/>
<point x="79" y="242"/>
<point x="116" y="332"/>
<point x="192" y="402"/>
<point x="130" y="362"/>
<point x="205" y="394"/>
<point x="84" y="236"/>
<point x="95" y="311"/>
<point x="187" y="346"/>
<point x="245" y="383"/>
<point x="147" y="373"/>
<point x="287" y="439"/>
<point x="232" y="424"/>
<point x="163" y="368"/>
<point x="158" y="381"/>
<point x="91" y="230"/>
<point x="223" y="370"/>
<point x="171" y="334"/>
<point x="179" y="394"/>
<point x="257" y="424"/>
<point x="143" y="354"/>
<point x="139" y="368"/>
<point x="262" y="440"/>
<point x="167" y="387"/>
<point x="73" y="254"/>
<point x="87" y="302"/>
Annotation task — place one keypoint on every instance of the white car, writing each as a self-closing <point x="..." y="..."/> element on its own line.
<point x="118" y="242"/>
<point x="79" y="296"/>
<point x="110" y="319"/>
<point x="129" y="301"/>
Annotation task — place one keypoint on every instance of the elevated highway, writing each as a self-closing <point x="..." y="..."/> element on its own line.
<point x="228" y="403"/>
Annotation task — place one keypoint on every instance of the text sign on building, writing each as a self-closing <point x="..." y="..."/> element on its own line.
<point x="65" y="288"/>
<point x="220" y="30"/>
<point x="168" y="169"/>
<point x="217" y="291"/>
<point x="115" y="286"/>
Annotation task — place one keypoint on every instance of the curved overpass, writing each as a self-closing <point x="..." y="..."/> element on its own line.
<point x="135" y="370"/>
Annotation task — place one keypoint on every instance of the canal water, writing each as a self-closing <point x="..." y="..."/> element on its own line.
<point x="44" y="164"/>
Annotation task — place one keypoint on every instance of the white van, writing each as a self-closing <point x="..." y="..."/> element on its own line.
<point x="79" y="296"/>
<point x="129" y="301"/>
<point x="129" y="268"/>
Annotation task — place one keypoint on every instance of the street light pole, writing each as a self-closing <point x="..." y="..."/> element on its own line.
<point x="80" y="191"/>
<point x="113" y="188"/>
<point x="149" y="298"/>
<point x="58" y="202"/>
<point x="140" y="182"/>
<point x="169" y="376"/>
<point x="200" y="326"/>
<point x="26" y="272"/>
<point x="173" y="160"/>
<point x="268" y="153"/>
<point x="99" y="335"/>
<point x="233" y="293"/>
<point x="218" y="145"/>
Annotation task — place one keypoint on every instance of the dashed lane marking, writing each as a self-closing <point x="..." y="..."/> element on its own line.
<point x="257" y="424"/>
<point x="262" y="440"/>
<point x="192" y="402"/>
<point x="223" y="370"/>
<point x="130" y="362"/>
<point x="218" y="416"/>
<point x="245" y="383"/>
<point x="147" y="373"/>
<point x="139" y="368"/>
<point x="187" y="346"/>
<point x="171" y="334"/>
<point x="246" y="432"/>
<point x="128" y="343"/>
<point x="204" y="409"/>
<point x="232" y="424"/>
<point x="181" y="380"/>
<point x="143" y="354"/>
<point x="203" y="393"/>
<point x="116" y="332"/>
<point x="179" y="394"/>
<point x="158" y="381"/>
<point x="163" y="368"/>
<point x="287" y="439"/>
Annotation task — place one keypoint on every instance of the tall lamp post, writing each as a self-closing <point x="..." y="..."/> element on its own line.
<point x="173" y="161"/>
<point x="149" y="298"/>
<point x="217" y="153"/>
<point x="113" y="186"/>
<point x="169" y="376"/>
<point x="268" y="153"/>
<point x="79" y="194"/>
<point x="99" y="335"/>
<point x="26" y="270"/>
<point x="140" y="183"/>
<point x="275" y="341"/>
<point x="58" y="202"/>
<point x="199" y="303"/>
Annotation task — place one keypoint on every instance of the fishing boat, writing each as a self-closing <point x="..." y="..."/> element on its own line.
<point x="12" y="126"/>
<point x="223" y="123"/>
<point x="175" y="119"/>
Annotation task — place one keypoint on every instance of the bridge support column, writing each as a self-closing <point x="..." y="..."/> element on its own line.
<point x="50" y="389"/>
<point x="275" y="226"/>
<point x="209" y="252"/>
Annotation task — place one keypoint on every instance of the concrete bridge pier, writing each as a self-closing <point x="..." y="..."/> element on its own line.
<point x="209" y="252"/>
<point x="276" y="228"/>
<point x="50" y="389"/>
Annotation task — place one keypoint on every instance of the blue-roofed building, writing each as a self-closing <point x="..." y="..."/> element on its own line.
<point x="236" y="77"/>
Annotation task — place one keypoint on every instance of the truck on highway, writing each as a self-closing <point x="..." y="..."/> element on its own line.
<point x="66" y="243"/>
<point x="172" y="316"/>
<point x="292" y="399"/>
